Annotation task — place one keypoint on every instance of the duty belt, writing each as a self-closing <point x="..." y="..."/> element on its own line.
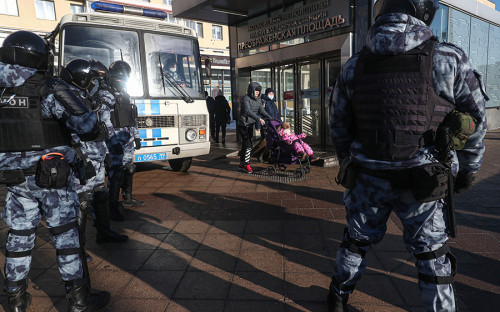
<point x="16" y="176"/>
<point x="399" y="178"/>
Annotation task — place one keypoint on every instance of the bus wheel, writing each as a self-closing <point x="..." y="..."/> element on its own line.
<point x="181" y="164"/>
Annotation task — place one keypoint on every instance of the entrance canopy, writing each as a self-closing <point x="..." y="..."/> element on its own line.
<point x="226" y="12"/>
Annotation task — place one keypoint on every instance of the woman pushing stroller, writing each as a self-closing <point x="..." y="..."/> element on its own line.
<point x="251" y="108"/>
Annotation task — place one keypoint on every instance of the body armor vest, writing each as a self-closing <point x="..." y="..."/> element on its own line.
<point x="124" y="113"/>
<point x="395" y="108"/>
<point x="22" y="126"/>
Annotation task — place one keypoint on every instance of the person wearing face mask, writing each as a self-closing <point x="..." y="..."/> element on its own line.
<point x="171" y="71"/>
<point x="260" y="150"/>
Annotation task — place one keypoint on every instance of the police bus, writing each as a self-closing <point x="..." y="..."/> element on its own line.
<point x="172" y="113"/>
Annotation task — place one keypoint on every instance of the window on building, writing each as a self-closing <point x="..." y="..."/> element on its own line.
<point x="199" y="29"/>
<point x="216" y="32"/>
<point x="167" y="2"/>
<point x="75" y="8"/>
<point x="8" y="7"/>
<point x="45" y="10"/>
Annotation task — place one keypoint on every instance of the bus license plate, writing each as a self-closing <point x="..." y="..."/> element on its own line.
<point x="150" y="157"/>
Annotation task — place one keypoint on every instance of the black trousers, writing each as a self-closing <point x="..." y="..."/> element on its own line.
<point x="220" y="125"/>
<point x="246" y="134"/>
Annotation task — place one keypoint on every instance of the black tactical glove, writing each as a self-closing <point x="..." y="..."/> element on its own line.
<point x="137" y="143"/>
<point x="463" y="182"/>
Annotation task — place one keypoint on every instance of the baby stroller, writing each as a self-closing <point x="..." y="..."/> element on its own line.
<point x="282" y="154"/>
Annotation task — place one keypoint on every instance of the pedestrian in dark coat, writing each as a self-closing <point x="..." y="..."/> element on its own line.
<point x="210" y="106"/>
<point x="260" y="150"/>
<point x="222" y="116"/>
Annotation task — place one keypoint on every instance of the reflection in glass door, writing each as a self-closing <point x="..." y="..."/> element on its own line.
<point x="287" y="96"/>
<point x="310" y="101"/>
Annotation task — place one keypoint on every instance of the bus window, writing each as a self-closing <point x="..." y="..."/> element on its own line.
<point x="107" y="46"/>
<point x="173" y="57"/>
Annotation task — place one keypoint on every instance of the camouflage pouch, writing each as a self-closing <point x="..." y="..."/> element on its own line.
<point x="461" y="127"/>
<point x="348" y="174"/>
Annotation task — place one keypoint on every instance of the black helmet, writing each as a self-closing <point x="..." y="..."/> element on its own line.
<point x="81" y="74"/>
<point x="424" y="10"/>
<point x="101" y="69"/>
<point x="119" y="73"/>
<point x="26" y="49"/>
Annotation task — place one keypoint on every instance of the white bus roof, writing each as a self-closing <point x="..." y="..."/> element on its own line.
<point x="126" y="21"/>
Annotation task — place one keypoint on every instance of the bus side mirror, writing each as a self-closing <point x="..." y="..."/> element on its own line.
<point x="208" y="67"/>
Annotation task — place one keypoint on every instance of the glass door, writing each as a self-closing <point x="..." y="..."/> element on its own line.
<point x="333" y="68"/>
<point x="309" y="104"/>
<point x="287" y="95"/>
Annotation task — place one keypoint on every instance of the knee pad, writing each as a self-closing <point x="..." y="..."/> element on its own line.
<point x="353" y="245"/>
<point x="20" y="233"/>
<point x="432" y="255"/>
<point x="58" y="230"/>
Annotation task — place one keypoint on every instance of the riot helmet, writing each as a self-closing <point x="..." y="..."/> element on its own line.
<point x="119" y="72"/>
<point x="80" y="73"/>
<point x="424" y="10"/>
<point x="26" y="49"/>
<point x="101" y="69"/>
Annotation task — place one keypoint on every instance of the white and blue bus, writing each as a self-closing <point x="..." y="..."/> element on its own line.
<point x="173" y="118"/>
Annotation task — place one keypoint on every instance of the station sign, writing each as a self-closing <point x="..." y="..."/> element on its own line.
<point x="313" y="18"/>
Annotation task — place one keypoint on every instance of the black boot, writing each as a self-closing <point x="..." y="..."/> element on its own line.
<point x="128" y="200"/>
<point x="19" y="300"/>
<point x="82" y="300"/>
<point x="104" y="233"/>
<point x="336" y="302"/>
<point x="115" y="183"/>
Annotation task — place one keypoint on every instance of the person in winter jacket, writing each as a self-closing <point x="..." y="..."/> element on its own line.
<point x="222" y="117"/>
<point x="260" y="150"/>
<point x="387" y="100"/>
<point x="251" y="108"/>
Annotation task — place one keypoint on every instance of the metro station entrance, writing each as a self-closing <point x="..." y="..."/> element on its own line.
<point x="302" y="91"/>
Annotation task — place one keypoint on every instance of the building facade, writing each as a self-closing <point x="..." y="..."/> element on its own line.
<point x="42" y="16"/>
<point x="39" y="16"/>
<point x="298" y="47"/>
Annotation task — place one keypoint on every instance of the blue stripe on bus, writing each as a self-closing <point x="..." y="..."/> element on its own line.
<point x="144" y="143"/>
<point x="156" y="143"/>
<point x="155" y="107"/>
<point x="139" y="102"/>
<point x="143" y="134"/>
<point x="156" y="133"/>
<point x="141" y="109"/>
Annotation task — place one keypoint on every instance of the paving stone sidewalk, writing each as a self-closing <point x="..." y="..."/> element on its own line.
<point x="215" y="239"/>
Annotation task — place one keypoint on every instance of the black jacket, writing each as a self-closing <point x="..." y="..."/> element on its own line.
<point x="251" y="106"/>
<point x="221" y="109"/>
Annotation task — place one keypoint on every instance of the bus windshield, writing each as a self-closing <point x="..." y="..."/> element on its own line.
<point x="173" y="60"/>
<point x="105" y="45"/>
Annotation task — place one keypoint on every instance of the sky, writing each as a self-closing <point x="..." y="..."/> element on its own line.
<point x="497" y="4"/>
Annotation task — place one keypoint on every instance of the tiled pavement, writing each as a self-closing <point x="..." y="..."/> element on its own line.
<point x="218" y="240"/>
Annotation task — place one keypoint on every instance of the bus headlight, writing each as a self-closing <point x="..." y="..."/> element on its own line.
<point x="190" y="135"/>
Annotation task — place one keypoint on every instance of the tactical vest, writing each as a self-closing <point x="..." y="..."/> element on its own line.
<point x="22" y="126"/>
<point x="395" y="108"/>
<point x="124" y="113"/>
